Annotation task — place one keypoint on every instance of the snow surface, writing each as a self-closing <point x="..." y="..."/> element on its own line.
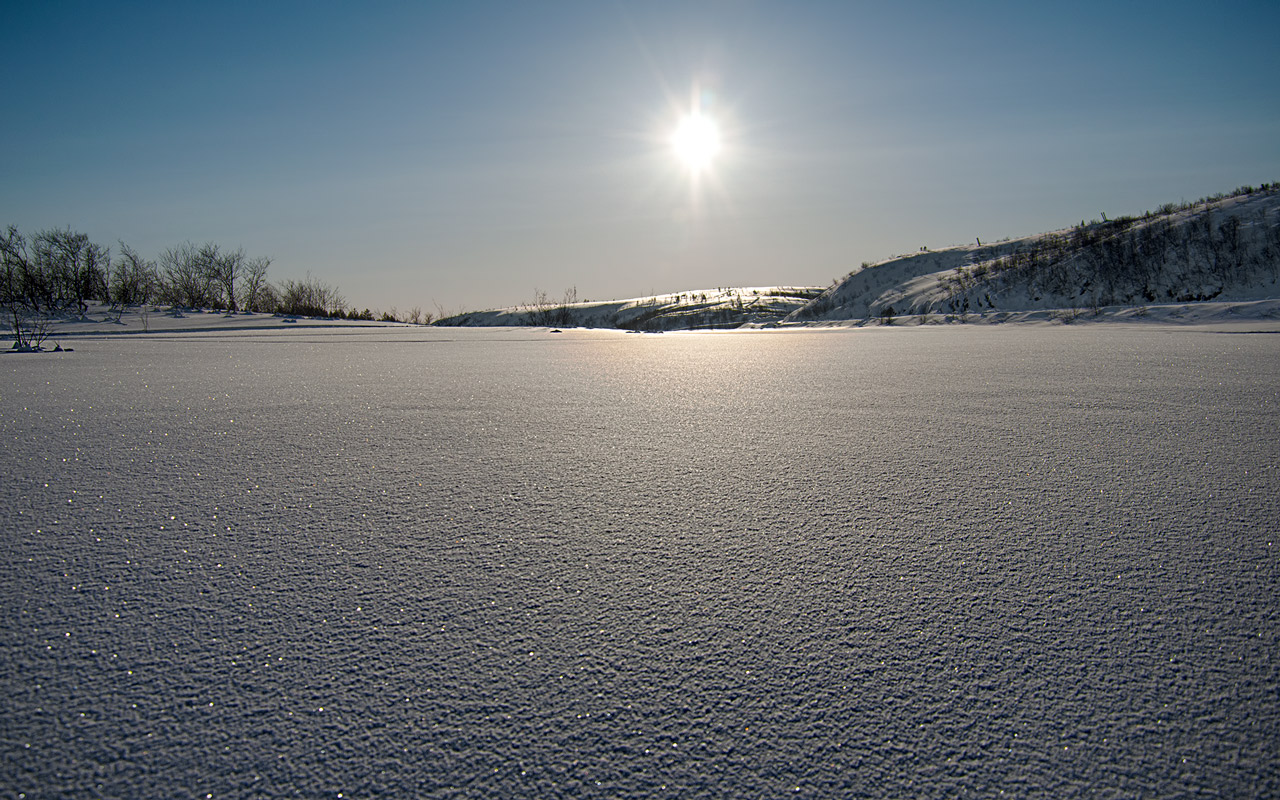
<point x="941" y="561"/>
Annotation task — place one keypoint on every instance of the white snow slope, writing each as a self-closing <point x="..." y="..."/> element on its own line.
<point x="701" y="308"/>
<point x="1227" y="251"/>
<point x="1161" y="267"/>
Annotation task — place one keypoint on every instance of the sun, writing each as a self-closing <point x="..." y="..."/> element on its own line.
<point x="696" y="141"/>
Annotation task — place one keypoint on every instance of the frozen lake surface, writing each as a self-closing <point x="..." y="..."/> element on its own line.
<point x="937" y="562"/>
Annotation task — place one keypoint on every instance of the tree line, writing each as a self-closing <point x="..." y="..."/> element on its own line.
<point x="61" y="271"/>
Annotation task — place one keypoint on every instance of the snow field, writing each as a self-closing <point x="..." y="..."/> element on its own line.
<point x="412" y="562"/>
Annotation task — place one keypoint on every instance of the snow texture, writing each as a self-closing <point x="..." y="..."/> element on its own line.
<point x="412" y="562"/>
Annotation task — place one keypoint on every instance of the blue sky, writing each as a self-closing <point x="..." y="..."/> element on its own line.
<point x="462" y="155"/>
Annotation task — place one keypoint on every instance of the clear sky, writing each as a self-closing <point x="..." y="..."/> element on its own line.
<point x="463" y="154"/>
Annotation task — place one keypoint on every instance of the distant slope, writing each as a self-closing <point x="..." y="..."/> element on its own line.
<point x="1225" y="248"/>
<point x="706" y="308"/>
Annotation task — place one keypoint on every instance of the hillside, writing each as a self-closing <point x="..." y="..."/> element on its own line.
<point x="705" y="308"/>
<point x="1223" y="249"/>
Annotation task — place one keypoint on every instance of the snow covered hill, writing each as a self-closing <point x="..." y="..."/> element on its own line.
<point x="704" y="308"/>
<point x="1222" y="249"/>
<point x="1213" y="261"/>
<point x="1216" y="259"/>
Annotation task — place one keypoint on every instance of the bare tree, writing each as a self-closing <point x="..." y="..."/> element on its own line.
<point x="254" y="287"/>
<point x="311" y="297"/>
<point x="55" y="270"/>
<point x="184" y="281"/>
<point x="224" y="270"/>
<point x="66" y="269"/>
<point x="29" y="330"/>
<point x="270" y="300"/>
<point x="133" y="278"/>
<point x="15" y="264"/>
<point x="545" y="311"/>
<point x="91" y="274"/>
<point x="56" y="253"/>
<point x="22" y="292"/>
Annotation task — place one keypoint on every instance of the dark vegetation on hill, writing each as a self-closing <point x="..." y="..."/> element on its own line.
<point x="1222" y="246"/>
<point x="710" y="308"/>
<point x="1226" y="246"/>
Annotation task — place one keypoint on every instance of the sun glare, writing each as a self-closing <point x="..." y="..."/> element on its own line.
<point x="696" y="141"/>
